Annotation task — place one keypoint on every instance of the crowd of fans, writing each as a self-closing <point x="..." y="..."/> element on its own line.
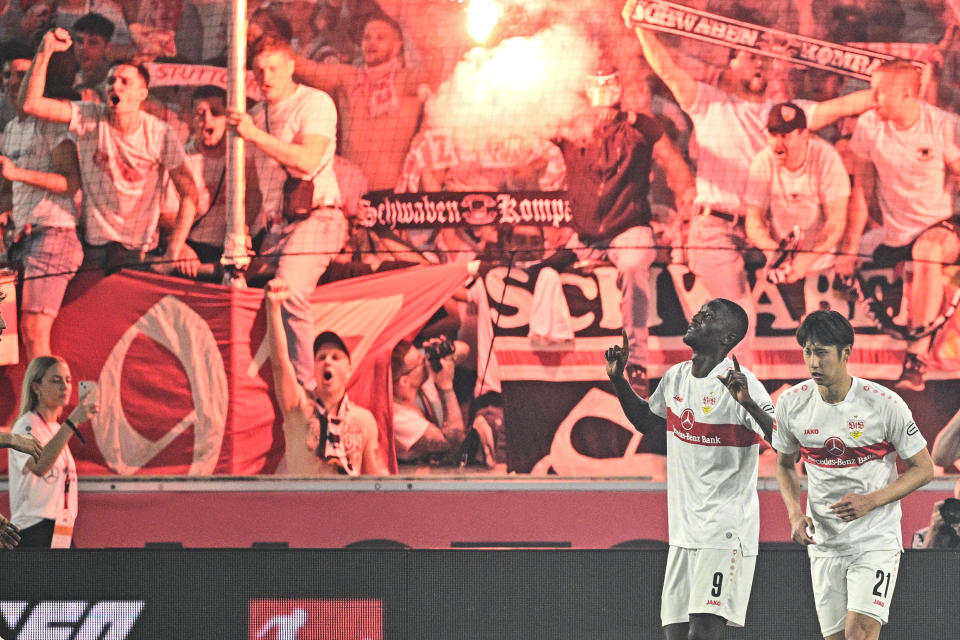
<point x="725" y="157"/>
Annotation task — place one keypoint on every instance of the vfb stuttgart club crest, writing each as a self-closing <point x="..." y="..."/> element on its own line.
<point x="709" y="402"/>
<point x="856" y="425"/>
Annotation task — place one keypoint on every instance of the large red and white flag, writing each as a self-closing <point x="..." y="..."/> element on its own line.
<point x="184" y="383"/>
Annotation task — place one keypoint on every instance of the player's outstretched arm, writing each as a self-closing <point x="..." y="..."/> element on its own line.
<point x="634" y="407"/>
<point x="736" y="383"/>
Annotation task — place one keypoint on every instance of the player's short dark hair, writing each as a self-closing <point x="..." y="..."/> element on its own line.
<point x="141" y="69"/>
<point x="95" y="24"/>
<point x="737" y="319"/>
<point x="207" y="91"/>
<point x="826" y="328"/>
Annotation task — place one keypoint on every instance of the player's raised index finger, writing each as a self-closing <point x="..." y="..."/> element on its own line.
<point x="736" y="364"/>
<point x="626" y="343"/>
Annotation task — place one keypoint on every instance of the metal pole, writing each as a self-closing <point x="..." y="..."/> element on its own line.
<point x="235" y="258"/>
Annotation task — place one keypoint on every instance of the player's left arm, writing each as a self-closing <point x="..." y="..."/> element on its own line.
<point x="736" y="383"/>
<point x="919" y="472"/>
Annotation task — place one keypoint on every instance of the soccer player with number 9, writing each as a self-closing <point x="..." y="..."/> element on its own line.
<point x="716" y="415"/>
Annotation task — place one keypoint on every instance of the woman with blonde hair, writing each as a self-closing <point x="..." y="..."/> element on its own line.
<point x="43" y="492"/>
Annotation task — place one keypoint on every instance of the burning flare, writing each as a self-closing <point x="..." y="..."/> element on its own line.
<point x="482" y="16"/>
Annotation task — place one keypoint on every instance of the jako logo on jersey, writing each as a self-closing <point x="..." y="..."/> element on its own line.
<point x="856" y="425"/>
<point x="879" y="603"/>
<point x="69" y="619"/>
<point x="709" y="402"/>
<point x="811" y="432"/>
<point x="678" y="398"/>
<point x="715" y="603"/>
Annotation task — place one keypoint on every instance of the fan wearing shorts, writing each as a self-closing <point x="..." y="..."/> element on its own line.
<point x="848" y="431"/>
<point x="716" y="415"/>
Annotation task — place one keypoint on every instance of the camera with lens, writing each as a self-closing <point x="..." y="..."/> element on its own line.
<point x="950" y="511"/>
<point x="437" y="349"/>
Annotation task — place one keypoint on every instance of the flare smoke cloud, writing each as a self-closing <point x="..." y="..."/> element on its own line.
<point x="525" y="87"/>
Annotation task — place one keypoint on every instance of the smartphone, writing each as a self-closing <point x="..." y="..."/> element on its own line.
<point x="85" y="387"/>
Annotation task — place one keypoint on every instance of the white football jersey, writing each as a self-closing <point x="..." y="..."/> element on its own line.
<point x="712" y="455"/>
<point x="848" y="447"/>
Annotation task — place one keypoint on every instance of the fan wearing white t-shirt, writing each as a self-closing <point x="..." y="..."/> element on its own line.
<point x="797" y="186"/>
<point x="717" y="414"/>
<point x="293" y="134"/>
<point x="906" y="151"/>
<point x="123" y="153"/>
<point x="848" y="432"/>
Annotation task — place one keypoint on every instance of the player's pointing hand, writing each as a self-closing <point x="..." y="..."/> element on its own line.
<point x="736" y="382"/>
<point x="617" y="358"/>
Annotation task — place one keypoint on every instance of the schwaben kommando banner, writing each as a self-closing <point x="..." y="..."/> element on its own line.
<point x="669" y="17"/>
<point x="440" y="209"/>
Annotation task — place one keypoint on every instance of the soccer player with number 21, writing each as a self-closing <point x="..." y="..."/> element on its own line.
<point x="848" y="431"/>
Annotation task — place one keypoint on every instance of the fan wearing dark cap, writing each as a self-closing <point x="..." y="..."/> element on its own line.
<point x="797" y="194"/>
<point x="326" y="433"/>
